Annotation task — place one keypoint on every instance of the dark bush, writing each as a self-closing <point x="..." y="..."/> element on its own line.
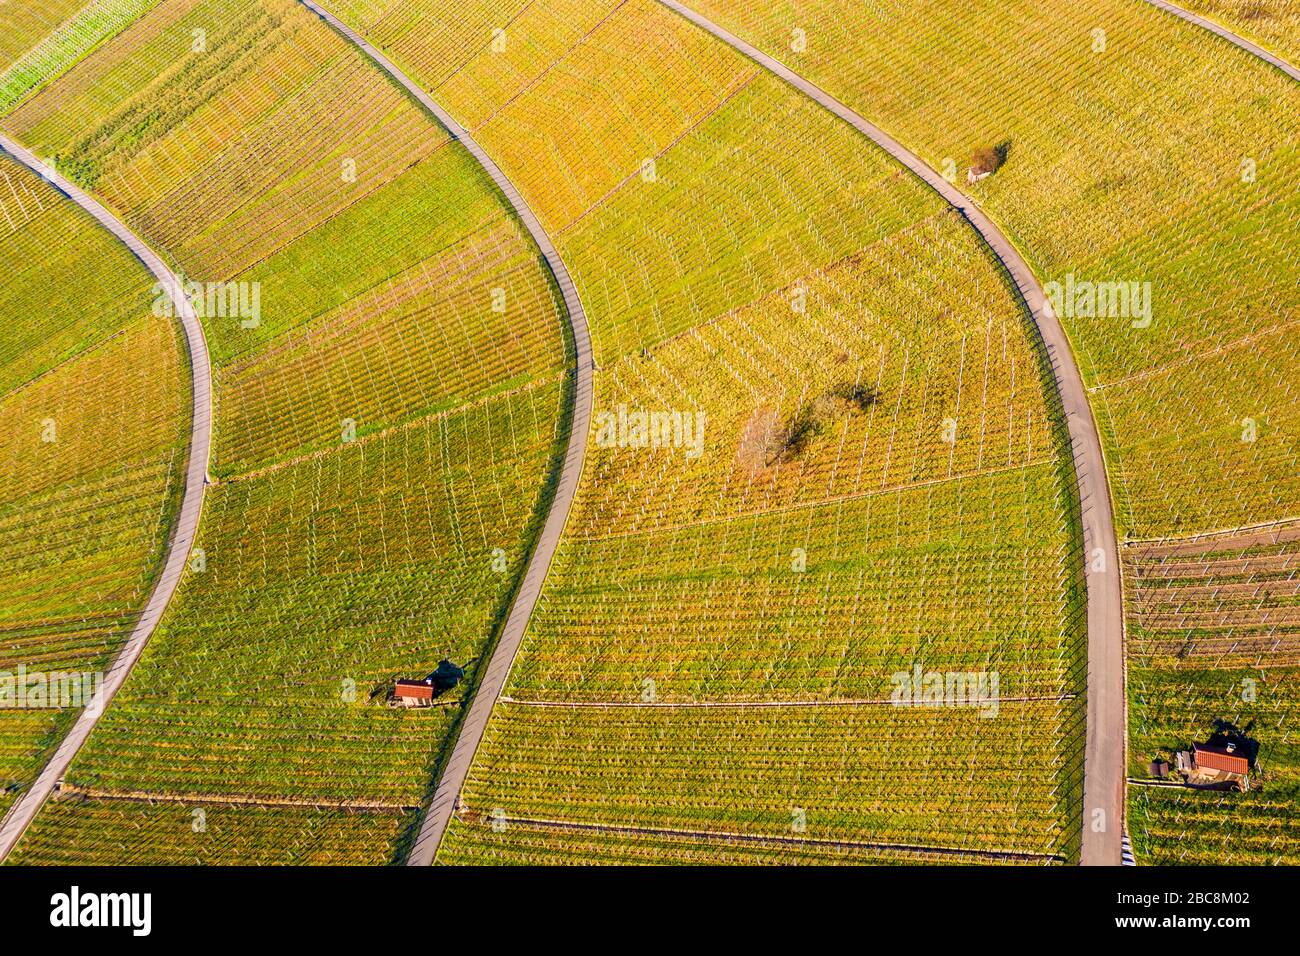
<point x="985" y="160"/>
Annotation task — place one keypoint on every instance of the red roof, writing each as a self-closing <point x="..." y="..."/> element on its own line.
<point x="415" y="689"/>
<point x="1218" y="758"/>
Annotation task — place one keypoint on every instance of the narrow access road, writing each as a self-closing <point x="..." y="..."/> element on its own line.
<point x="452" y="779"/>
<point x="1105" y="747"/>
<point x="1233" y="38"/>
<point x="177" y="551"/>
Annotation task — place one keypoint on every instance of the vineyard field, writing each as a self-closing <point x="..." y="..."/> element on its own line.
<point x="1272" y="24"/>
<point x="74" y="832"/>
<point x="40" y="44"/>
<point x="1097" y="188"/>
<point x="534" y="845"/>
<point x="621" y="432"/>
<point x="383" y="442"/>
<point x="756" y="267"/>
<point x="1214" y="638"/>
<point x="24" y="27"/>
<point x="93" y="397"/>
<point x="927" y="777"/>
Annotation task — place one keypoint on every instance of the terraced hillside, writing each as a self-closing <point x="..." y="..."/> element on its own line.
<point x="1183" y="229"/>
<point x="390" y="374"/>
<point x="864" y="477"/>
<point x="93" y="396"/>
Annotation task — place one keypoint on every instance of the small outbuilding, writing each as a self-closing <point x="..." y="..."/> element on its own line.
<point x="1220" y="759"/>
<point x="412" y="693"/>
<point x="423" y="692"/>
<point x="1213" y="766"/>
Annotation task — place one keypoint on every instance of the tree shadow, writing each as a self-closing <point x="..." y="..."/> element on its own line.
<point x="1227" y="733"/>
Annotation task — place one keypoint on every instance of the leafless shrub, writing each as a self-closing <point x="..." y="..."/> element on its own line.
<point x="761" y="441"/>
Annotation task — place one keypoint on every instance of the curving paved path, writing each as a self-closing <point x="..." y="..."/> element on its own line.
<point x="1219" y="30"/>
<point x="1104" y="750"/>
<point x="453" y="775"/>
<point x="186" y="526"/>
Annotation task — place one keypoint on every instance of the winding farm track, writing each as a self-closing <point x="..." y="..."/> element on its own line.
<point x="1222" y="31"/>
<point x="177" y="551"/>
<point x="452" y="778"/>
<point x="1104" y="749"/>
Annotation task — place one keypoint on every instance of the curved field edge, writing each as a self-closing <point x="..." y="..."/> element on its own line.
<point x="622" y="341"/>
<point x="183" y="516"/>
<point x="553" y="506"/>
<point x="121" y="767"/>
<point x="1271" y="26"/>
